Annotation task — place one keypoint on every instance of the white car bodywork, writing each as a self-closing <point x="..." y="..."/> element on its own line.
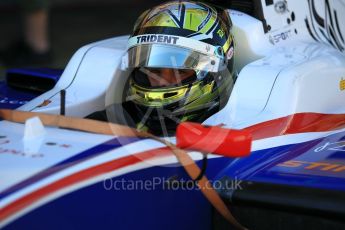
<point x="281" y="72"/>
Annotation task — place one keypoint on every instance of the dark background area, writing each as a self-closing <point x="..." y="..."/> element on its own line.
<point x="74" y="23"/>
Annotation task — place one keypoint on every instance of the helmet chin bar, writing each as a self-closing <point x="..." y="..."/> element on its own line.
<point x="193" y="102"/>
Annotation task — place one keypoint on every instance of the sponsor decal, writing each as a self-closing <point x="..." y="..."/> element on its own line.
<point x="332" y="146"/>
<point x="25" y="153"/>
<point x="167" y="39"/>
<point x="3" y="140"/>
<point x="20" y="153"/>
<point x="189" y="43"/>
<point x="236" y="13"/>
<point x="342" y="84"/>
<point x="274" y="39"/>
<point x="65" y="146"/>
<point x="208" y="48"/>
<point x="230" y="53"/>
<point x="220" y="33"/>
<point x="320" y="166"/>
<point x="6" y="100"/>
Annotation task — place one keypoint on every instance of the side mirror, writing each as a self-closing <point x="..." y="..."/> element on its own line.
<point x="213" y="139"/>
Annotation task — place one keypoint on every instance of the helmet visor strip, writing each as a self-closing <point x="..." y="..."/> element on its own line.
<point x="187" y="52"/>
<point x="163" y="56"/>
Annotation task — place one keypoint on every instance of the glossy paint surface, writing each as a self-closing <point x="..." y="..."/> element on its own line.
<point x="11" y="98"/>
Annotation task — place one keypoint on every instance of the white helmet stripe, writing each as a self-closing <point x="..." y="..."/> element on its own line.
<point x="184" y="42"/>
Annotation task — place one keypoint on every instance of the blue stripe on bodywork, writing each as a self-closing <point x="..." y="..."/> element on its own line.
<point x="267" y="166"/>
<point x="97" y="207"/>
<point x="152" y="206"/>
<point x="12" y="98"/>
<point x="49" y="73"/>
<point x="338" y="155"/>
<point x="79" y="158"/>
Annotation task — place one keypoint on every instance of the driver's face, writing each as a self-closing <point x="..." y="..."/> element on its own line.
<point x="167" y="76"/>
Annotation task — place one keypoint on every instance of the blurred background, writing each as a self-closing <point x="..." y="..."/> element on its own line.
<point x="70" y="24"/>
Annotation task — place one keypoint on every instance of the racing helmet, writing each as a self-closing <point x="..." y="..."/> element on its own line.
<point x="190" y="42"/>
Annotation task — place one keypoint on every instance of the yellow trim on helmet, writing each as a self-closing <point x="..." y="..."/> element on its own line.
<point x="163" y="19"/>
<point x="227" y="44"/>
<point x="162" y="96"/>
<point x="157" y="97"/>
<point x="193" y="18"/>
<point x="209" y="24"/>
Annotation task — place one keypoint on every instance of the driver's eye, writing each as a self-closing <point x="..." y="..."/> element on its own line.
<point x="185" y="72"/>
<point x="175" y="71"/>
<point x="182" y="71"/>
<point x="156" y="71"/>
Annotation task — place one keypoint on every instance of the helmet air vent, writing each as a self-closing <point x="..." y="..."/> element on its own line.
<point x="167" y="95"/>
